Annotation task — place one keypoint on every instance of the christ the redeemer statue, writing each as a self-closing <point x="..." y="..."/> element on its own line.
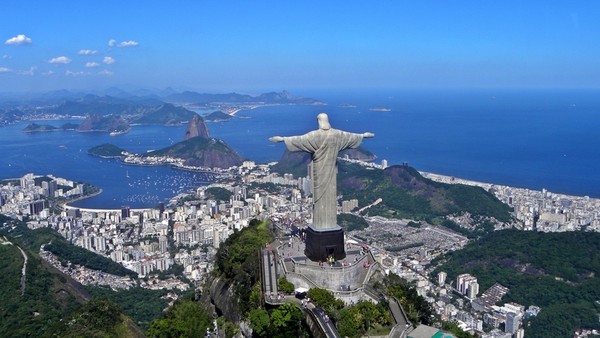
<point x="324" y="144"/>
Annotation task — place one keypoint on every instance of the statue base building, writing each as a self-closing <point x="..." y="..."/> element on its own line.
<point x="324" y="244"/>
<point x="346" y="278"/>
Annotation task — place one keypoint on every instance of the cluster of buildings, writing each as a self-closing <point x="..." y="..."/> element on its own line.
<point x="458" y="300"/>
<point x="189" y="230"/>
<point x="541" y="210"/>
<point x="29" y="195"/>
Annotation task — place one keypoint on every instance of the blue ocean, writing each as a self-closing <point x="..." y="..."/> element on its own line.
<point x="529" y="139"/>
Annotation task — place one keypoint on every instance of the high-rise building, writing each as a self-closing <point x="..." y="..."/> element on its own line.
<point x="100" y="244"/>
<point x="384" y="164"/>
<point x="348" y="206"/>
<point x="49" y="187"/>
<point x="163" y="244"/>
<point x="125" y="212"/>
<point x="36" y="207"/>
<point x="473" y="290"/>
<point x="513" y="322"/>
<point x="464" y="281"/>
<point x="27" y="181"/>
<point x="442" y="278"/>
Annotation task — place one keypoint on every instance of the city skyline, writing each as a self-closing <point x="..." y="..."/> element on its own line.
<point x="252" y="47"/>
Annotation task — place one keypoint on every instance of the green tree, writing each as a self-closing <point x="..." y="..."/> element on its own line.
<point x="416" y="307"/>
<point x="324" y="298"/>
<point x="259" y="321"/>
<point x="284" y="285"/>
<point x="357" y="320"/>
<point x="327" y="301"/>
<point x="453" y="328"/>
<point x="238" y="261"/>
<point x="218" y="193"/>
<point x="184" y="319"/>
<point x="352" y="222"/>
<point x="286" y="320"/>
<point x="256" y="296"/>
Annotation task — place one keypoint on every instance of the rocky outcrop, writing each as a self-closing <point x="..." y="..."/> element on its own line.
<point x="199" y="150"/>
<point x="107" y="123"/>
<point x="221" y="297"/>
<point x="196" y="128"/>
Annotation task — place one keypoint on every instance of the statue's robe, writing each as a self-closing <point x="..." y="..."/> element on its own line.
<point x="324" y="146"/>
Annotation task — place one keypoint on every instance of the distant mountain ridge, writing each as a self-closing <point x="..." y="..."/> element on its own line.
<point x="267" y="98"/>
<point x="139" y="107"/>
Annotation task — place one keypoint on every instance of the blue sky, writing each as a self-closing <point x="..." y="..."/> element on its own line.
<point x="252" y="46"/>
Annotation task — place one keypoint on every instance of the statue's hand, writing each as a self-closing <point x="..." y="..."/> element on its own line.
<point x="276" y="139"/>
<point x="368" y="135"/>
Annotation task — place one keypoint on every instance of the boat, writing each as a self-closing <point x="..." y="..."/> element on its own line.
<point x="380" y="109"/>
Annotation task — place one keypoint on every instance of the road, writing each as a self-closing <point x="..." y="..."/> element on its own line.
<point x="23" y="271"/>
<point x="4" y="241"/>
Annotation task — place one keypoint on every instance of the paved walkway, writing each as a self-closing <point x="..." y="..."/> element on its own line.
<point x="293" y="248"/>
<point x="269" y="271"/>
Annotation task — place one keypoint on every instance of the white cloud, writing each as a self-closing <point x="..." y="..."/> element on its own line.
<point x="70" y="73"/>
<point x="87" y="52"/>
<point x="129" y="43"/>
<point x="60" y="59"/>
<point x="92" y="64"/>
<point x="109" y="60"/>
<point x="4" y="70"/>
<point x="105" y="72"/>
<point x="29" y="72"/>
<point x="6" y="57"/>
<point x="18" y="40"/>
<point x="48" y="73"/>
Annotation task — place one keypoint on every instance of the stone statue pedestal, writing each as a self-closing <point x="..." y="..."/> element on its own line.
<point x="321" y="244"/>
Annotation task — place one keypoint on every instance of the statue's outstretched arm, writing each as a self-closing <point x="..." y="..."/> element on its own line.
<point x="276" y="139"/>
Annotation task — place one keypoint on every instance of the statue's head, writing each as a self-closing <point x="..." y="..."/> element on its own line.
<point x="323" y="120"/>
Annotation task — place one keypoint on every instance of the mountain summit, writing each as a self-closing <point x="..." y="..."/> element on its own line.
<point x="196" y="128"/>
<point x="200" y="150"/>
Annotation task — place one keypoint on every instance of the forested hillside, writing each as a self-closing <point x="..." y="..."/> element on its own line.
<point x="560" y="272"/>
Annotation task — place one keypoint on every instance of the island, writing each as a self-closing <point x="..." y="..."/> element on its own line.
<point x="217" y="116"/>
<point x="198" y="151"/>
<point x="34" y="127"/>
<point x="108" y="150"/>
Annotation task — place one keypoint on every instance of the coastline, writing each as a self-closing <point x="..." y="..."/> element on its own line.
<point x="67" y="206"/>
<point x="487" y="186"/>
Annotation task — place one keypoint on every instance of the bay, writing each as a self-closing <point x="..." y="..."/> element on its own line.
<point x="530" y="139"/>
<point x="64" y="154"/>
